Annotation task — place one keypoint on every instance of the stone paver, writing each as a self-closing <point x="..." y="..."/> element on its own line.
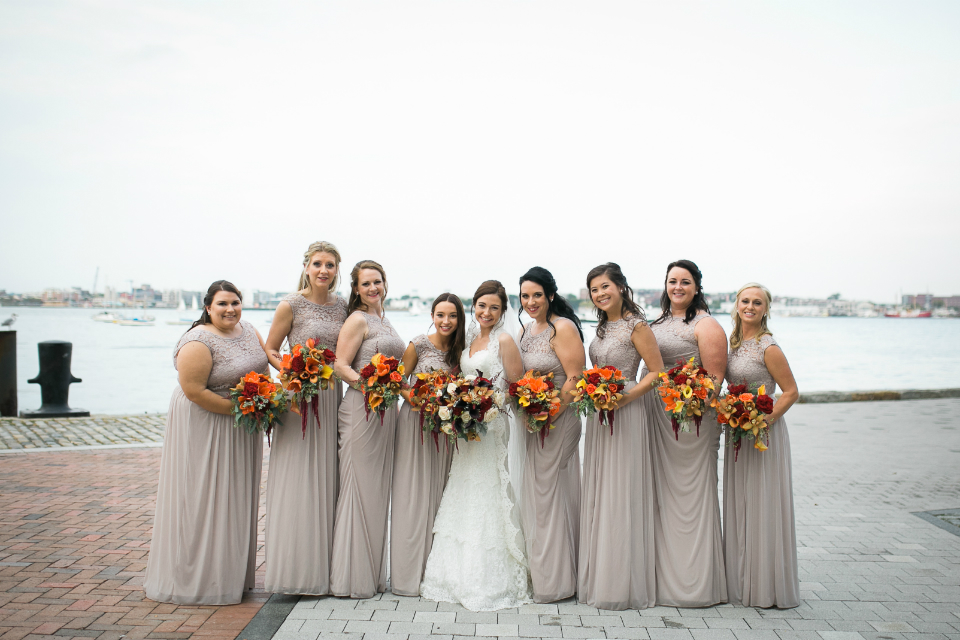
<point x="869" y="568"/>
<point x="17" y="433"/>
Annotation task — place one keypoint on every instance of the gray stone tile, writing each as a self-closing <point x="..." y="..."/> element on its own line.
<point x="583" y="632"/>
<point x="670" y="634"/>
<point x="320" y="626"/>
<point x="385" y="615"/>
<point x="351" y="614"/>
<point x="577" y="610"/>
<point x="386" y="605"/>
<point x="416" y="605"/>
<point x="422" y="628"/>
<point x="454" y="628"/>
<point x="630" y="633"/>
<point x="713" y="634"/>
<point x="366" y="626"/>
<point x="726" y="623"/>
<point x="435" y="616"/>
<point x="565" y="620"/>
<point x="518" y="618"/>
<point x="894" y="626"/>
<point x="601" y="621"/>
<point x="540" y="631"/>
<point x="755" y="634"/>
<point x="309" y="614"/>
<point x="504" y="630"/>
<point x="473" y="617"/>
<point x="539" y="608"/>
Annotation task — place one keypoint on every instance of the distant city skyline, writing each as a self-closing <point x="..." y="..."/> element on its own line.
<point x="813" y="146"/>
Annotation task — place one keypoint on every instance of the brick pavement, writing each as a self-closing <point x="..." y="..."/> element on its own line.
<point x="16" y="433"/>
<point x="870" y="569"/>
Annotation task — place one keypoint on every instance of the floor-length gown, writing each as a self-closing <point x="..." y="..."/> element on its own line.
<point x="550" y="506"/>
<point x="359" y="568"/>
<point x="478" y="558"/>
<point x="302" y="483"/>
<point x="420" y="470"/>
<point x="689" y="541"/>
<point x="618" y="508"/>
<point x="204" y="544"/>
<point x="759" y="530"/>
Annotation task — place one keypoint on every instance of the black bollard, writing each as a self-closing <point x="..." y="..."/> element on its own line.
<point x="8" y="374"/>
<point x="54" y="380"/>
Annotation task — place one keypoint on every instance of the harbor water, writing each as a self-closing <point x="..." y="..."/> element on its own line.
<point x="129" y="369"/>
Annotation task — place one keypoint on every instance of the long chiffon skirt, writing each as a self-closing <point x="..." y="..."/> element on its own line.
<point x="617" y="514"/>
<point x="689" y="540"/>
<point x="204" y="544"/>
<point x="302" y="500"/>
<point x="550" y="509"/>
<point x="759" y="531"/>
<point x="359" y="568"/>
<point x="420" y="474"/>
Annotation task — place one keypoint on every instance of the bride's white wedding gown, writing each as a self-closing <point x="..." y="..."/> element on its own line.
<point x="478" y="557"/>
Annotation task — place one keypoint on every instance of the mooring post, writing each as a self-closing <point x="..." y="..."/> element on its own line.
<point x="54" y="379"/>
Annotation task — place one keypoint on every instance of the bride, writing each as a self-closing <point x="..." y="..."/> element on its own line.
<point x="478" y="557"/>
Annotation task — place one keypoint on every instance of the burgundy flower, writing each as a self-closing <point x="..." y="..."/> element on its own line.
<point x="764" y="403"/>
<point x="680" y="378"/>
<point x="737" y="389"/>
<point x="329" y="356"/>
<point x="513" y="388"/>
<point x="251" y="389"/>
<point x="297" y="364"/>
<point x="368" y="371"/>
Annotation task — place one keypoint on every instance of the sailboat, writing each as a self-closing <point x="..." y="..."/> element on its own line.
<point x="182" y="310"/>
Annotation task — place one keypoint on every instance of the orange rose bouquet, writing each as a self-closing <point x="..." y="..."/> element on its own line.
<point x="258" y="403"/>
<point x="684" y="390"/>
<point x="745" y="415"/>
<point x="538" y="400"/>
<point x="307" y="370"/>
<point x="425" y="399"/>
<point x="598" y="390"/>
<point x="380" y="383"/>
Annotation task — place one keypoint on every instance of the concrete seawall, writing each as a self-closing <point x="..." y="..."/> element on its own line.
<point x="819" y="397"/>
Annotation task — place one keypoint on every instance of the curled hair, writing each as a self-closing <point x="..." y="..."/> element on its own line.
<point x="558" y="304"/>
<point x="736" y="338"/>
<point x="219" y="285"/>
<point x="627" y="304"/>
<point x="492" y="287"/>
<point x="459" y="342"/>
<point x="355" y="303"/>
<point x="699" y="302"/>
<point x="320" y="246"/>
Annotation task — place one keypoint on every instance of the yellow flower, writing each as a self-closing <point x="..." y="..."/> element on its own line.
<point x="758" y="445"/>
<point x="326" y="372"/>
<point x="687" y="391"/>
<point x="762" y="391"/>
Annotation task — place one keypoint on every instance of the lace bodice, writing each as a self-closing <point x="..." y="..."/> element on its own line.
<point x="319" y="321"/>
<point x="486" y="360"/>
<point x="616" y="347"/>
<point x="677" y="340"/>
<point x="429" y="358"/>
<point x="233" y="358"/>
<point x="538" y="354"/>
<point x="745" y="365"/>
<point x="381" y="337"/>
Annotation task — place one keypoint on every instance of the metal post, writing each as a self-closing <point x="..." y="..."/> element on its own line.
<point x="54" y="380"/>
<point x="8" y="374"/>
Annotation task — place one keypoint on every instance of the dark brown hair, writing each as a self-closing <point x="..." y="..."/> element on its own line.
<point x="219" y="285"/>
<point x="699" y="302"/>
<point x="459" y="341"/>
<point x="558" y="306"/>
<point x="354" y="302"/>
<point x="627" y="305"/>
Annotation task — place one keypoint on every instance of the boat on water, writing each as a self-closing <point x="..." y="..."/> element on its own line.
<point x="105" y="316"/>
<point x="182" y="309"/>
<point x="145" y="321"/>
<point x="908" y="313"/>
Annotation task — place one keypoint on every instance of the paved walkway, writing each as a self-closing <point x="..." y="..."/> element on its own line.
<point x="72" y="432"/>
<point x="74" y="529"/>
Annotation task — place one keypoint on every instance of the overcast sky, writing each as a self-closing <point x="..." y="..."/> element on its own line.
<point x="812" y="146"/>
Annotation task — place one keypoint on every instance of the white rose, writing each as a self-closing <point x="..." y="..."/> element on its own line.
<point x="452" y="388"/>
<point x="498" y="398"/>
<point x="492" y="413"/>
<point x="466" y="417"/>
<point x="470" y="378"/>
<point x="444" y="413"/>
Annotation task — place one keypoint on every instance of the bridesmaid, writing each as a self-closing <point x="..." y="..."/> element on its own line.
<point x="302" y="484"/>
<point x="690" y="570"/>
<point x="419" y="470"/>
<point x="359" y="569"/>
<point x="204" y="545"/>
<point x="618" y="571"/>
<point x="550" y="501"/>
<point x="759" y="531"/>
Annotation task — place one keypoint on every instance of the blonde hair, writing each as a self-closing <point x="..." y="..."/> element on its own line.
<point x="320" y="246"/>
<point x="355" y="302"/>
<point x="736" y="337"/>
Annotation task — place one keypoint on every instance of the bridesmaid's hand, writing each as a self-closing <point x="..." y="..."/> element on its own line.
<point x="779" y="368"/>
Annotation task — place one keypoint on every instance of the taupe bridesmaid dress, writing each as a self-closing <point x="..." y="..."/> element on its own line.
<point x="204" y="544"/>
<point x="689" y="542"/>
<point x="359" y="569"/>
<point x="759" y="532"/>
<point x="618" y="509"/>
<point x="420" y="474"/>
<point x="550" y="506"/>
<point x="302" y="483"/>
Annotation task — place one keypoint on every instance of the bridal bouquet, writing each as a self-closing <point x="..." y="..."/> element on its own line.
<point x="466" y="405"/>
<point x="746" y="416"/>
<point x="538" y="401"/>
<point x="305" y="372"/>
<point x="258" y="403"/>
<point x="684" y="390"/>
<point x="598" y="390"/>
<point x="425" y="397"/>
<point x="380" y="383"/>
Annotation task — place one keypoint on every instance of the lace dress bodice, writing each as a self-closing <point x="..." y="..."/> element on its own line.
<point x="233" y="358"/>
<point x="429" y="358"/>
<point x="321" y="322"/>
<point x="381" y="338"/>
<point x="616" y="347"/>
<point x="676" y="339"/>
<point x="538" y="354"/>
<point x="745" y="364"/>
